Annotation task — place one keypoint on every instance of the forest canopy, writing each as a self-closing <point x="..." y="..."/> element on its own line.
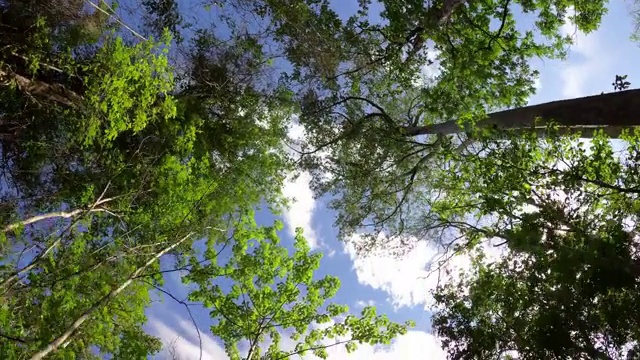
<point x="138" y="131"/>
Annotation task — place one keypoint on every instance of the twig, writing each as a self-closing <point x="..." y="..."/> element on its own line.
<point x="115" y="18"/>
<point x="13" y="338"/>
<point x="186" y="306"/>
<point x="54" y="244"/>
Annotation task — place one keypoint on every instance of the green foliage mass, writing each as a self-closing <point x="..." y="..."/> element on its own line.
<point x="565" y="286"/>
<point x="382" y="132"/>
<point x="274" y="293"/>
<point x="119" y="150"/>
<point x="101" y="131"/>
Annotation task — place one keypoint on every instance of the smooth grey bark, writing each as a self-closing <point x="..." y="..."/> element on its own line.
<point x="610" y="112"/>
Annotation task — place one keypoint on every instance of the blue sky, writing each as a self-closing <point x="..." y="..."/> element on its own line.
<point x="400" y="287"/>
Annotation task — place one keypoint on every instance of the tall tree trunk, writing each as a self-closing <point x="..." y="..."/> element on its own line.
<point x="610" y="112"/>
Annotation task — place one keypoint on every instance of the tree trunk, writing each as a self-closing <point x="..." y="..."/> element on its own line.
<point x="447" y="9"/>
<point x="610" y="112"/>
<point x="436" y="17"/>
<point x="52" y="92"/>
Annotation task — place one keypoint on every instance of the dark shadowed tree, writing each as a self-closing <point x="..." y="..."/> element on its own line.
<point x="567" y="283"/>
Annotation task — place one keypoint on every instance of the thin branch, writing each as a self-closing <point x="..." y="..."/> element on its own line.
<point x="117" y="19"/>
<point x="55" y="243"/>
<point x="58" y="341"/>
<point x="288" y="355"/>
<point x="412" y="175"/>
<point x="51" y="215"/>
<point x="14" y="338"/>
<point x="610" y="186"/>
<point x="186" y="306"/>
<point x="495" y="36"/>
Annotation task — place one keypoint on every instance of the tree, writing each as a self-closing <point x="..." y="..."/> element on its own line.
<point x="116" y="146"/>
<point x="108" y="164"/>
<point x="272" y="294"/>
<point x="568" y="285"/>
<point x="115" y="152"/>
<point x="566" y="295"/>
<point x="382" y="148"/>
<point x="48" y="306"/>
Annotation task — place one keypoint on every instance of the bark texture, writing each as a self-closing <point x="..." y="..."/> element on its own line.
<point x="40" y="89"/>
<point x="610" y="112"/>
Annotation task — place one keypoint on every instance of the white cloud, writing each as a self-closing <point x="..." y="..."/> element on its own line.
<point x="406" y="280"/>
<point x="365" y="303"/>
<point x="184" y="341"/>
<point x="300" y="211"/>
<point x="584" y="75"/>
<point x="428" y="71"/>
<point x="298" y="191"/>
<point x="295" y="130"/>
<point x="410" y="279"/>
<point x="537" y="84"/>
<point x="413" y="345"/>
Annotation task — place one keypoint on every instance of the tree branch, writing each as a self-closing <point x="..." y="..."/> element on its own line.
<point x="51" y="215"/>
<point x="117" y="19"/>
<point x="612" y="113"/>
<point x="312" y="348"/>
<point x="53" y="345"/>
<point x="52" y="92"/>
<point x="55" y="243"/>
<point x="186" y="306"/>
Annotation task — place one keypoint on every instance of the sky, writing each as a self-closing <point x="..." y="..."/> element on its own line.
<point x="401" y="287"/>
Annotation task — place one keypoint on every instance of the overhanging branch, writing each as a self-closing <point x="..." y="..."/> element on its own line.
<point x="612" y="113"/>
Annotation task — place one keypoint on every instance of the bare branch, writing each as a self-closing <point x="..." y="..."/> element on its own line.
<point x="54" y="244"/>
<point x="51" y="215"/>
<point x="113" y="16"/>
<point x="53" y="92"/>
<point x="186" y="306"/>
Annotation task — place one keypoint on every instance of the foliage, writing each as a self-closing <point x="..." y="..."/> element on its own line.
<point x="272" y="293"/>
<point x="620" y="83"/>
<point x="567" y="285"/>
<point x="130" y="85"/>
<point x="382" y="144"/>
<point x="119" y="150"/>
<point x="43" y="303"/>
<point x="107" y="164"/>
<point x="163" y="15"/>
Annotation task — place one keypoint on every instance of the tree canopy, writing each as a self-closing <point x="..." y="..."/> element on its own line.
<point x="130" y="131"/>
<point x="566" y="285"/>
